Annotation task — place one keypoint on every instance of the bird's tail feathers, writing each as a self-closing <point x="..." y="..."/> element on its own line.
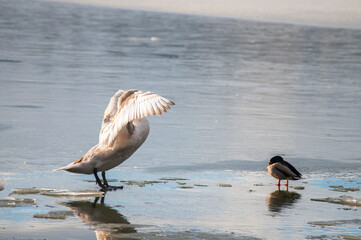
<point x="59" y="169"/>
<point x="297" y="178"/>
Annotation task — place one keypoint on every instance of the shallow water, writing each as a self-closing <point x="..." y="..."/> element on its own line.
<point x="205" y="205"/>
<point x="244" y="91"/>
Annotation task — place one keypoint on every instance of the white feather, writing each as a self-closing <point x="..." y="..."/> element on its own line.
<point x="137" y="105"/>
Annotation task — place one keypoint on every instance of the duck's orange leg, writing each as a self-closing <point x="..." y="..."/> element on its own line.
<point x="286" y="183"/>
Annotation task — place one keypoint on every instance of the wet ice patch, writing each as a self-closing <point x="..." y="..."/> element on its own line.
<point x="173" y="179"/>
<point x="349" y="237"/>
<point x="340" y="188"/>
<point x="185" y="235"/>
<point x="224" y="185"/>
<point x="200" y="185"/>
<point x="74" y="194"/>
<point x="16" y="202"/>
<point x="108" y="180"/>
<point x="185" y="187"/>
<point x="336" y="222"/>
<point x="143" y="183"/>
<point x="58" y="193"/>
<point x="344" y="200"/>
<point x="54" y="215"/>
<point x="25" y="191"/>
<point x="117" y="227"/>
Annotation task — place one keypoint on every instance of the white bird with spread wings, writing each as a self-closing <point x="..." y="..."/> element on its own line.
<point x="124" y="130"/>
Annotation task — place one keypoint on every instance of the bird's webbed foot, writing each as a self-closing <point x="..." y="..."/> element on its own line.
<point x="112" y="188"/>
<point x="109" y="187"/>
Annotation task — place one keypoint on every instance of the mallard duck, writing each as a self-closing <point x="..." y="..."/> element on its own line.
<point x="282" y="170"/>
<point x="123" y="131"/>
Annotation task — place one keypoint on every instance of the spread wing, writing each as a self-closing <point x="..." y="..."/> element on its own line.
<point x="109" y="114"/>
<point x="131" y="105"/>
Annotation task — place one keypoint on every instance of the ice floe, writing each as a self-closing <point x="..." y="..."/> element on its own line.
<point x="58" y="193"/>
<point x="74" y="194"/>
<point x="344" y="200"/>
<point x="336" y="222"/>
<point x="54" y="215"/>
<point x="340" y="188"/>
<point x="16" y="202"/>
<point x="25" y="191"/>
<point x="224" y="185"/>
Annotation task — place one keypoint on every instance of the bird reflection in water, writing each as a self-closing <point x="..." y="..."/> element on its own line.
<point x="278" y="200"/>
<point x="104" y="220"/>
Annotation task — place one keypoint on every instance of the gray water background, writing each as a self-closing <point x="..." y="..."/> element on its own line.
<point x="244" y="90"/>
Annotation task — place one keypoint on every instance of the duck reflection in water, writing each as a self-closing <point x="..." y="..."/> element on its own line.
<point x="104" y="220"/>
<point x="278" y="200"/>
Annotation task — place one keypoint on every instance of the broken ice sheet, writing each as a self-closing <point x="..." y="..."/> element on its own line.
<point x="74" y="194"/>
<point x="181" y="183"/>
<point x="16" y="202"/>
<point x="185" y="187"/>
<point x="224" y="185"/>
<point x="336" y="222"/>
<point x="34" y="190"/>
<point x="173" y="179"/>
<point x="188" y="234"/>
<point x="116" y="227"/>
<point x="54" y="215"/>
<point x="344" y="200"/>
<point x="200" y="185"/>
<point x="340" y="188"/>
<point x="142" y="183"/>
<point x="58" y="193"/>
<point x="108" y="180"/>
<point x="349" y="237"/>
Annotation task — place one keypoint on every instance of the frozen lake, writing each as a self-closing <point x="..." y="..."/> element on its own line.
<point x="244" y="92"/>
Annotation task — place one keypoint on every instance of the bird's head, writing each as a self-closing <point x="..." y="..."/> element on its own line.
<point x="275" y="159"/>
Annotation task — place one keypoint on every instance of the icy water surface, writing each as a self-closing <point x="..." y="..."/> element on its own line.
<point x="244" y="91"/>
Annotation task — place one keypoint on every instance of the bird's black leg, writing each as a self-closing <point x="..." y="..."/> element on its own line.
<point x="96" y="200"/>
<point x="95" y="172"/>
<point x="108" y="187"/>
<point x="104" y="179"/>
